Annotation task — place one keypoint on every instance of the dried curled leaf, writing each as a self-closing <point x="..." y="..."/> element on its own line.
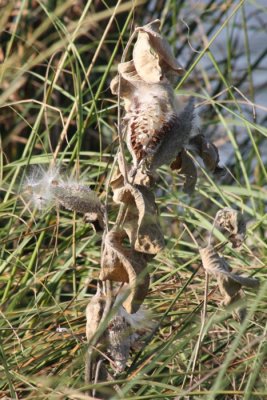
<point x="140" y="178"/>
<point x="232" y="222"/>
<point x="208" y="152"/>
<point x="112" y="262"/>
<point x="152" y="54"/>
<point x="129" y="82"/>
<point x="186" y="167"/>
<point x="121" y="264"/>
<point x="230" y="284"/>
<point x="141" y="221"/>
<point x="129" y="74"/>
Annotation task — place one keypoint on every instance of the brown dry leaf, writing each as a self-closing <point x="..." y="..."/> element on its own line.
<point x="186" y="167"/>
<point x="208" y="152"/>
<point x="230" y="284"/>
<point x="152" y="55"/>
<point x="141" y="221"/>
<point x="232" y="222"/>
<point x="129" y="74"/>
<point x="121" y="264"/>
<point x="232" y="293"/>
<point x="117" y="180"/>
<point x="146" y="60"/>
<point x="130" y="81"/>
<point x="96" y="219"/>
<point x="140" y="177"/>
<point x="112" y="265"/>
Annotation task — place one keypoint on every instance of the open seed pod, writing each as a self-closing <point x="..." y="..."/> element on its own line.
<point x="232" y="223"/>
<point x="230" y="284"/>
<point x="122" y="264"/>
<point x="119" y="342"/>
<point x="175" y="138"/>
<point x="141" y="221"/>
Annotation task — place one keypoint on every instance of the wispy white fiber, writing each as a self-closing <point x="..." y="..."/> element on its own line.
<point x="49" y="188"/>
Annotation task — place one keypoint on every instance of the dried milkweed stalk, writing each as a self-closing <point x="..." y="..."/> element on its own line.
<point x="232" y="223"/>
<point x="230" y="284"/>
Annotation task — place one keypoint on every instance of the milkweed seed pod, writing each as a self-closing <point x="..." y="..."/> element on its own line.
<point x="119" y="342"/>
<point x="120" y="334"/>
<point x="150" y="114"/>
<point x="48" y="188"/>
<point x="232" y="223"/>
<point x="230" y="284"/>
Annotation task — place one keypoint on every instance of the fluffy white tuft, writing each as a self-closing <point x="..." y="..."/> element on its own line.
<point x="48" y="188"/>
<point x="38" y="187"/>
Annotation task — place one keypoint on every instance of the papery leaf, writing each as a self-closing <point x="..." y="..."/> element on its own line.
<point x="126" y="91"/>
<point x="121" y="264"/>
<point x="141" y="221"/>
<point x="146" y="60"/>
<point x="208" y="152"/>
<point x="232" y="222"/>
<point x="140" y="177"/>
<point x="129" y="73"/>
<point x="187" y="168"/>
<point x="161" y="46"/>
<point x="152" y="55"/>
<point x="112" y="262"/>
<point x="216" y="265"/>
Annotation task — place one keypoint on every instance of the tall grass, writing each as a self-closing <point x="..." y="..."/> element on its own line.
<point x="57" y="59"/>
